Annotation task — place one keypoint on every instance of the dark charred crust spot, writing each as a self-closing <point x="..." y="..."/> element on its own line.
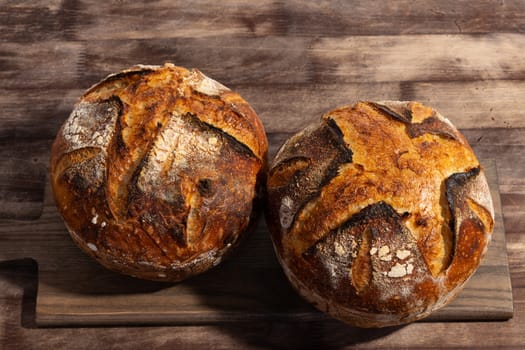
<point x="422" y="221"/>
<point x="178" y="234"/>
<point x="76" y="181"/>
<point x="346" y="153"/>
<point x="235" y="144"/>
<point x="380" y="210"/>
<point x="432" y="125"/>
<point x="117" y="102"/>
<point x="335" y="129"/>
<point x="330" y="173"/>
<point x="404" y="115"/>
<point x="457" y="180"/>
<point x="454" y="186"/>
<point x="204" y="186"/>
<point x="343" y="154"/>
<point x="118" y="141"/>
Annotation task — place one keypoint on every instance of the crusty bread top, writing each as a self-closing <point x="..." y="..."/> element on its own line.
<point x="388" y="197"/>
<point x="156" y="166"/>
<point x="184" y="91"/>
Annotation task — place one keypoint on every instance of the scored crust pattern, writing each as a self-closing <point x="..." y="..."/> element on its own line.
<point x="156" y="171"/>
<point x="380" y="212"/>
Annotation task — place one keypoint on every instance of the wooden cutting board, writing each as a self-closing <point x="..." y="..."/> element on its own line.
<point x="74" y="290"/>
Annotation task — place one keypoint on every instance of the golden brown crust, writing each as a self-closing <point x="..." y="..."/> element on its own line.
<point x="379" y="213"/>
<point x="156" y="171"/>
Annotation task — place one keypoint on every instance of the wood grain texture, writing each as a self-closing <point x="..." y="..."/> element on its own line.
<point x="87" y="19"/>
<point x="473" y="80"/>
<point x="351" y="59"/>
<point x="292" y="61"/>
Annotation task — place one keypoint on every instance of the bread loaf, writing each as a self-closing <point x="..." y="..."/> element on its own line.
<point x="379" y="213"/>
<point x="156" y="171"/>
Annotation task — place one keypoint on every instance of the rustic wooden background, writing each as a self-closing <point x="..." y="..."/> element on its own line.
<point x="292" y="60"/>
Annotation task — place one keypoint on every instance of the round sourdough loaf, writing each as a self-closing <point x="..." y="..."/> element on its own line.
<point x="157" y="170"/>
<point x="379" y="213"/>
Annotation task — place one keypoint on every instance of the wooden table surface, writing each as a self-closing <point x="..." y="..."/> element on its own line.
<point x="292" y="60"/>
